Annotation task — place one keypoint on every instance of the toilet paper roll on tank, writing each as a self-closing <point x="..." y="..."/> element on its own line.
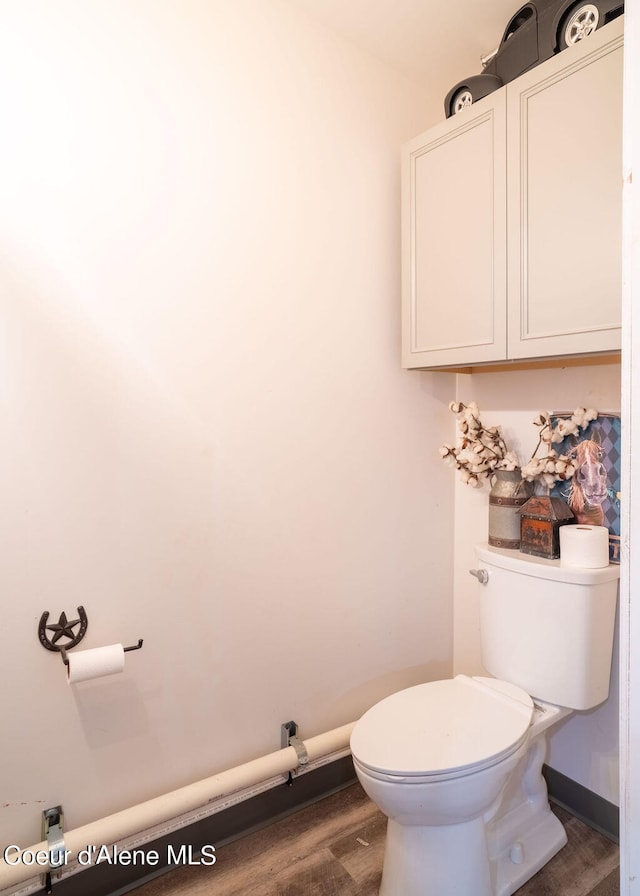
<point x="584" y="546"/>
<point x="85" y="665"/>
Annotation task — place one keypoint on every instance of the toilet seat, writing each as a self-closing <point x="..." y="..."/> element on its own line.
<point x="442" y="729"/>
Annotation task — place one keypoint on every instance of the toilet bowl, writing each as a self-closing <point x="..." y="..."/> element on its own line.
<point x="456" y="765"/>
<point x="436" y="759"/>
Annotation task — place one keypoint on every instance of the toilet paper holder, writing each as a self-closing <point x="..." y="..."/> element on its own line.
<point x="65" y="658"/>
<point x="65" y="628"/>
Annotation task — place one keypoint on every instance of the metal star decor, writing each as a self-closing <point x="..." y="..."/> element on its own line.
<point x="63" y="628"/>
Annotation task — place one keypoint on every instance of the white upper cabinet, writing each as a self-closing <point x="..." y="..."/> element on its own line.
<point x="512" y="218"/>
<point x="564" y="164"/>
<point x="454" y="240"/>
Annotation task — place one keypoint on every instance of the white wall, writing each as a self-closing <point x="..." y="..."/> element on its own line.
<point x="585" y="746"/>
<point x="206" y="436"/>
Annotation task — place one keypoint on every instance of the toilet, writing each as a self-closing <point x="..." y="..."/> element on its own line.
<point x="456" y="765"/>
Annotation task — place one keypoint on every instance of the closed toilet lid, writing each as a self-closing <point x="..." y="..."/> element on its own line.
<point x="443" y="728"/>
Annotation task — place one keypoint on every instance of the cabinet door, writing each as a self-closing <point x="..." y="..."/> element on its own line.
<point x="564" y="183"/>
<point x="453" y="240"/>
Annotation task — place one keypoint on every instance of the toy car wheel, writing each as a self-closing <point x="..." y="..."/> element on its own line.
<point x="461" y="100"/>
<point x="581" y="22"/>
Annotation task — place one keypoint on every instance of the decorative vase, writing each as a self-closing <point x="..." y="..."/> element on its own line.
<point x="508" y="493"/>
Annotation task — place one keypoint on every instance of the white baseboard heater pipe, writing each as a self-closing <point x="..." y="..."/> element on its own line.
<point x="120" y="825"/>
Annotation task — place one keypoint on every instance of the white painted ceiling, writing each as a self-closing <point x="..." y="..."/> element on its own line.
<point x="433" y="42"/>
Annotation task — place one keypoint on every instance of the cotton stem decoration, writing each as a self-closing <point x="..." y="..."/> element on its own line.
<point x="481" y="450"/>
<point x="551" y="467"/>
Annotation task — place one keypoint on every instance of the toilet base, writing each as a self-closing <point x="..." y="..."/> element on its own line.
<point x="417" y="860"/>
<point x="490" y="855"/>
<point x="527" y="855"/>
<point x="525" y="833"/>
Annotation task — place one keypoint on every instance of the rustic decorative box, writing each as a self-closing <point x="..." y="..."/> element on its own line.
<point x="540" y="521"/>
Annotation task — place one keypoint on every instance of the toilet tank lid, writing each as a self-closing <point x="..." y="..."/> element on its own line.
<point x="540" y="568"/>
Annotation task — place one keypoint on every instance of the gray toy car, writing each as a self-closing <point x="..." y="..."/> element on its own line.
<point x="535" y="33"/>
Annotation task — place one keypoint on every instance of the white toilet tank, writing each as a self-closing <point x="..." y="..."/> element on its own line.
<point x="548" y="628"/>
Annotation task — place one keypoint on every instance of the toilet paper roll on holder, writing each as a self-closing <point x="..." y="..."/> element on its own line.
<point x="65" y="628"/>
<point x="65" y="658"/>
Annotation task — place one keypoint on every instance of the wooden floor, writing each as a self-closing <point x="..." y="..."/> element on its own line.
<point x="335" y="848"/>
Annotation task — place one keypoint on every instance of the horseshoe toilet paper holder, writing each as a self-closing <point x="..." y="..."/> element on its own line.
<point x="65" y="628"/>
